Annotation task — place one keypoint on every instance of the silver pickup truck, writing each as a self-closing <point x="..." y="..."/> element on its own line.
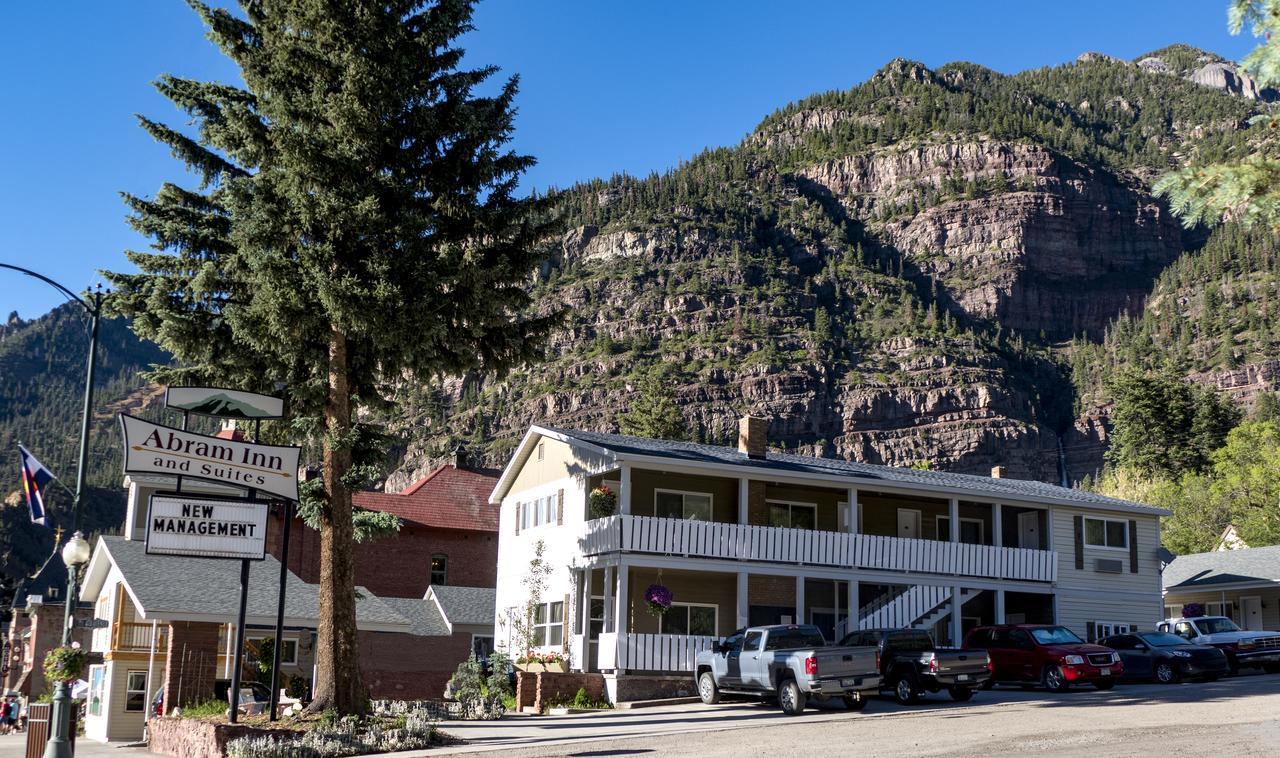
<point x="791" y="662"/>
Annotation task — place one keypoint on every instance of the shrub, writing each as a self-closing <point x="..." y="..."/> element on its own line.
<point x="206" y="709"/>
<point x="396" y="725"/>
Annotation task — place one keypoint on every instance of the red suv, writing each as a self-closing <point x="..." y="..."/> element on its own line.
<point x="1045" y="654"/>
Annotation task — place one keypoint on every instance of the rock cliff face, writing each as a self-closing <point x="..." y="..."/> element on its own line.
<point x="891" y="274"/>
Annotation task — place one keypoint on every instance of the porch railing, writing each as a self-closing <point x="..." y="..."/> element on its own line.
<point x="748" y="542"/>
<point x="137" y="637"/>
<point x="651" y="652"/>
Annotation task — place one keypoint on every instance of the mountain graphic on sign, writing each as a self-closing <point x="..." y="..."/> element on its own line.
<point x="222" y="405"/>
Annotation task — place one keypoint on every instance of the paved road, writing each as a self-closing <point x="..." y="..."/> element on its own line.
<point x="1237" y="717"/>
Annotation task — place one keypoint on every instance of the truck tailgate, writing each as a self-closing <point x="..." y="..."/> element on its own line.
<point x="845" y="661"/>
<point x="954" y="661"/>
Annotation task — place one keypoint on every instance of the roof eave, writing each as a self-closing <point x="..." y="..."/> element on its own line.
<point x="525" y="449"/>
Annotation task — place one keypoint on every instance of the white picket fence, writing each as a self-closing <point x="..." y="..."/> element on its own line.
<point x="651" y="652"/>
<point x="669" y="536"/>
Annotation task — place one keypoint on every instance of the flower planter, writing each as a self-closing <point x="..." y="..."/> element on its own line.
<point x="557" y="667"/>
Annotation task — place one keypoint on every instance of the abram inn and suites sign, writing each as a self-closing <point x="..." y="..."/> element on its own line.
<point x="207" y="528"/>
<point x="155" y="449"/>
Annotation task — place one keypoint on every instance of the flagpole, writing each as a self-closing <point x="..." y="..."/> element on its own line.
<point x="59" y="744"/>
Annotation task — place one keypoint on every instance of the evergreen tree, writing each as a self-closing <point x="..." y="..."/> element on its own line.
<point x="356" y="225"/>
<point x="1166" y="426"/>
<point x="653" y="413"/>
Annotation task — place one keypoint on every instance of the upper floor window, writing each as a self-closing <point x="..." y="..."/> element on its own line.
<point x="1104" y="532"/>
<point x="694" y="506"/>
<point x="793" y="515"/>
<point x="537" y="512"/>
<point x="439" y="569"/>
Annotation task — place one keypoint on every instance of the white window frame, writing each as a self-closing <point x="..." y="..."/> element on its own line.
<point x="715" y="609"/>
<point x="536" y="512"/>
<point x="548" y="625"/>
<point x="100" y="690"/>
<point x="257" y="641"/>
<point x="684" y="508"/>
<point x="1084" y="526"/>
<point x="129" y="674"/>
<point x="982" y="528"/>
<point x="1103" y="629"/>
<point x="842" y="508"/>
<point x="795" y="504"/>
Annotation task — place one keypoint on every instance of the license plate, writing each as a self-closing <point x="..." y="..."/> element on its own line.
<point x="848" y="682"/>
<point x="1105" y="672"/>
<point x="963" y="678"/>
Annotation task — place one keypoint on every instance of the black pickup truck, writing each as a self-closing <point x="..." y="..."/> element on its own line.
<point x="910" y="664"/>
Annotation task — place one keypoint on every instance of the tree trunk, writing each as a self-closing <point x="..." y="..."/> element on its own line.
<point x="338" y="684"/>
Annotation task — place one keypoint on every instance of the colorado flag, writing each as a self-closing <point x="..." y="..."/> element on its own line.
<point x="34" y="478"/>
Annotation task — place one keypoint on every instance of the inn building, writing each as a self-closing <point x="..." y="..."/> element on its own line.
<point x="749" y="536"/>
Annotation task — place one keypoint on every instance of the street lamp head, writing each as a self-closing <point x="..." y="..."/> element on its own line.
<point x="76" y="552"/>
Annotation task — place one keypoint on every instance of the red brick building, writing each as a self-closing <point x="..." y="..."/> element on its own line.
<point x="448" y="535"/>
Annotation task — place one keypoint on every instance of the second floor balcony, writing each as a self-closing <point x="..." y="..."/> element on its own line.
<point x="748" y="542"/>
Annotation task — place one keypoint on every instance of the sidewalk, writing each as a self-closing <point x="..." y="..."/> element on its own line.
<point x="15" y="746"/>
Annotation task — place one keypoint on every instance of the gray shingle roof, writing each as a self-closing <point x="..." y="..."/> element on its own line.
<point x="689" y="452"/>
<point x="423" y="615"/>
<point x="167" y="586"/>
<point x="1255" y="564"/>
<point x="467" y="605"/>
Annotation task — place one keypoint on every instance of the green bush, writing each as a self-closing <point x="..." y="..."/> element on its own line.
<point x="205" y="709"/>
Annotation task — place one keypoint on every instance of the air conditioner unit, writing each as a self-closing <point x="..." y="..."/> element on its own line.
<point x="1109" y="565"/>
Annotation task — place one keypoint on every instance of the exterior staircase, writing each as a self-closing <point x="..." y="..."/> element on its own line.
<point x="919" y="606"/>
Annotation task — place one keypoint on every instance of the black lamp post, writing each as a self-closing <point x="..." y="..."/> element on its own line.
<point x="76" y="552"/>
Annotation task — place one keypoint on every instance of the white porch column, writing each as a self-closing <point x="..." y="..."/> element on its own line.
<point x="620" y="612"/>
<point x="624" y="490"/>
<point x="744" y="497"/>
<point x="151" y="664"/>
<point x="852" y="499"/>
<point x="853" y="605"/>
<point x="999" y="606"/>
<point x="800" y="600"/>
<point x="953" y="512"/>
<point x="609" y="572"/>
<point x="586" y="610"/>
<point x="226" y="667"/>
<point x="742" y="609"/>
<point x="997" y="528"/>
<point x="956" y="602"/>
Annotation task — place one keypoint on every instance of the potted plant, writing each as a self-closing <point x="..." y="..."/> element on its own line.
<point x="658" y="598"/>
<point x="602" y="502"/>
<point x="65" y="663"/>
<point x="1192" y="610"/>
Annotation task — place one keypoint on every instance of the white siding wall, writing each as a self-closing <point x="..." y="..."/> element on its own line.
<point x="1087" y="594"/>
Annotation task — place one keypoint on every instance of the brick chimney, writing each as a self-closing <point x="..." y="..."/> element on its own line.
<point x="753" y="436"/>
<point x="997" y="472"/>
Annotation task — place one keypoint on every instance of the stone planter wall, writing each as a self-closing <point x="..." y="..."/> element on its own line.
<point x="537" y="689"/>
<point x="193" y="738"/>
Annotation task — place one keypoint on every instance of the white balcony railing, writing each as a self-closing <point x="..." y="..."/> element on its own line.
<point x="707" y="539"/>
<point x="651" y="652"/>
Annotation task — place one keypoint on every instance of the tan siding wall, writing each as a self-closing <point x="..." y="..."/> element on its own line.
<point x="720" y="590"/>
<point x="558" y="461"/>
<point x="1146" y="581"/>
<point x="724" y="492"/>
<point x="880" y="513"/>
<point x="122" y="724"/>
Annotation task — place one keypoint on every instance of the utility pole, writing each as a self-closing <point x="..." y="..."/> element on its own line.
<point x="76" y="552"/>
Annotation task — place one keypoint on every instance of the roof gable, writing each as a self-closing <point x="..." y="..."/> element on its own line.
<point x="1222" y="567"/>
<point x="447" y="498"/>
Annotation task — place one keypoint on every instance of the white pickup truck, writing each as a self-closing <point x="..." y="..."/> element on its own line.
<point x="791" y="662"/>
<point x="1243" y="648"/>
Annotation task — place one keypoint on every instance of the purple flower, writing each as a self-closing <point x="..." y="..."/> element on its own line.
<point x="659" y="599"/>
<point x="1192" y="610"/>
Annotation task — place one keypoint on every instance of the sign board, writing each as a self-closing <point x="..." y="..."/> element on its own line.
<point x="155" y="449"/>
<point x="91" y="624"/>
<point x="207" y="528"/>
<point x="223" y="403"/>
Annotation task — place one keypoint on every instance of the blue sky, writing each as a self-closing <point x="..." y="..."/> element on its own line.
<point x="605" y="87"/>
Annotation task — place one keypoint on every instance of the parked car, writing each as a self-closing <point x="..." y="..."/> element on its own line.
<point x="791" y="662"/>
<point x="1244" y="649"/>
<point x="910" y="664"/>
<point x="1166" y="658"/>
<point x="1054" y="656"/>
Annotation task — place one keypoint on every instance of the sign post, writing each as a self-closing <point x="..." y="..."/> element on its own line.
<point x="216" y="527"/>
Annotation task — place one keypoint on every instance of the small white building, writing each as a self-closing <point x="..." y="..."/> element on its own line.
<point x="744" y="536"/>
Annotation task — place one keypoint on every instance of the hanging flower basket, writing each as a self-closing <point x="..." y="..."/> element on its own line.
<point x="659" y="599"/>
<point x="1192" y="610"/>
<point x="602" y="502"/>
<point x="65" y="664"/>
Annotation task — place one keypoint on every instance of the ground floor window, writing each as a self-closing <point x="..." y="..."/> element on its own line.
<point x="97" y="682"/>
<point x="481" y="646"/>
<point x="548" y="624"/>
<point x="1108" y="628"/>
<point x="690" y="618"/>
<point x="135" y="691"/>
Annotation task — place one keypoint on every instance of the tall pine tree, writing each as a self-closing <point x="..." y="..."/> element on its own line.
<point x="356" y="226"/>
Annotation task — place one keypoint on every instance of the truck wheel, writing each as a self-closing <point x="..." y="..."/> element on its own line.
<point x="707" y="689"/>
<point x="961" y="694"/>
<point x="1166" y="673"/>
<point x="791" y="698"/>
<point x="905" y="690"/>
<point x="1055" y="680"/>
<point x="855" y="702"/>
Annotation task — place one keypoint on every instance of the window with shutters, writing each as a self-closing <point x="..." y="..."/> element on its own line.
<point x="1106" y="533"/>
<point x="538" y="512"/>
